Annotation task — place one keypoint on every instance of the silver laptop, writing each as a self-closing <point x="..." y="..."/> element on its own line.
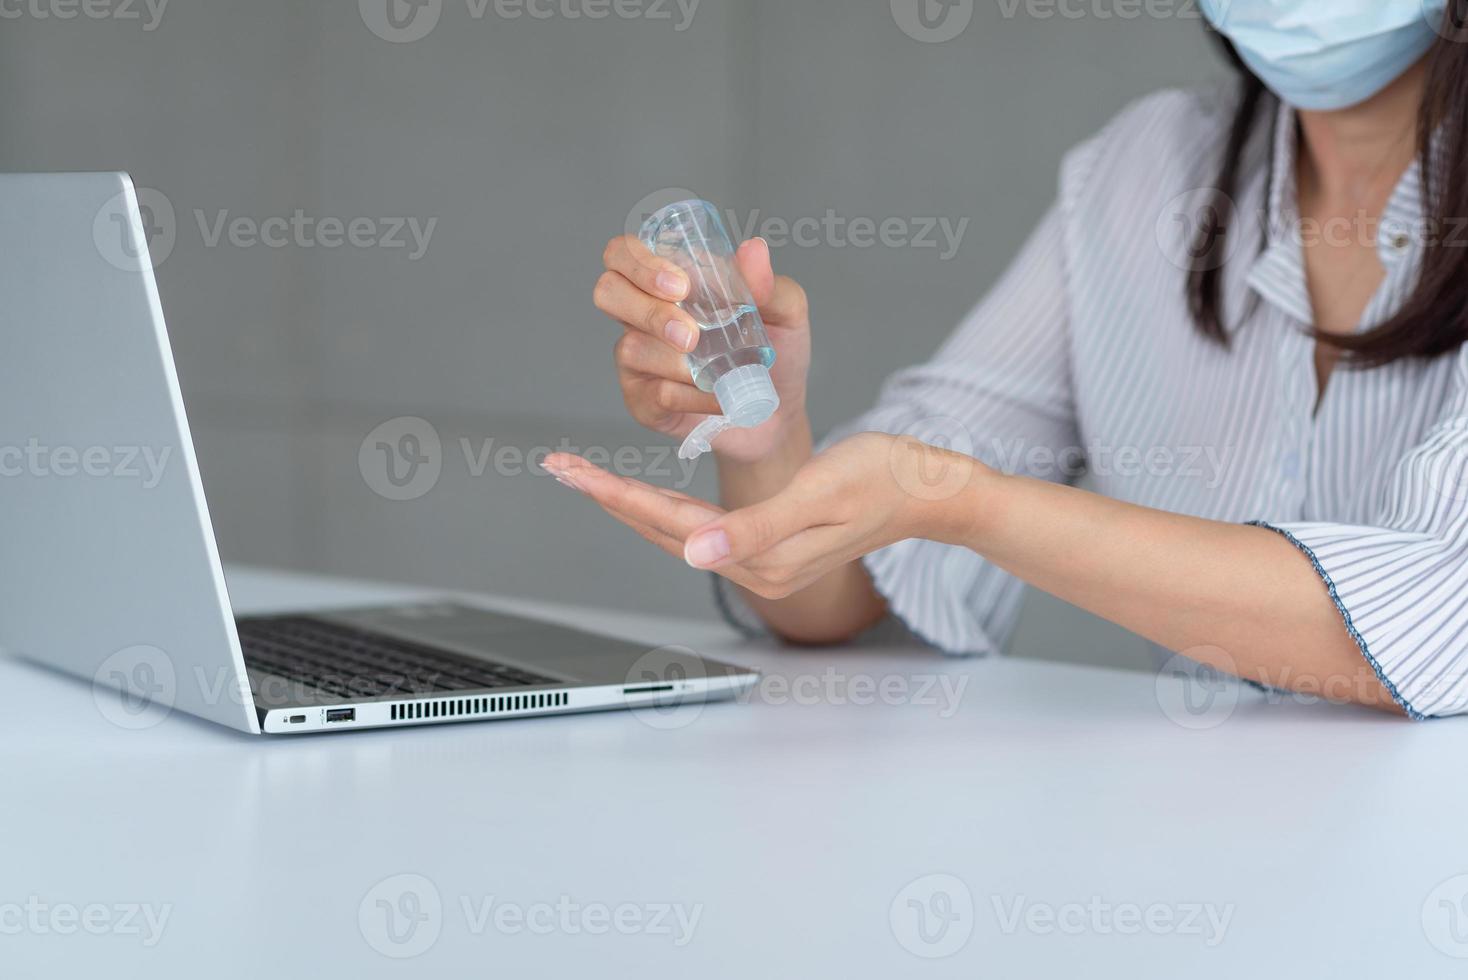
<point x="108" y="563"/>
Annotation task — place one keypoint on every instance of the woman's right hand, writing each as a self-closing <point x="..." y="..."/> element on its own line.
<point x="641" y="292"/>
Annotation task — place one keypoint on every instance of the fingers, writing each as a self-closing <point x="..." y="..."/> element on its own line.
<point x="746" y="534"/>
<point x="626" y="255"/>
<point x="637" y="353"/>
<point x="665" y="517"/>
<point x="624" y="301"/>
<point x="753" y="259"/>
<point x="631" y="501"/>
<point x="661" y="398"/>
<point x="780" y="299"/>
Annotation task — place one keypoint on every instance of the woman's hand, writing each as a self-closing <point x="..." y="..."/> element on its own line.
<point x="641" y="292"/>
<point x="862" y="494"/>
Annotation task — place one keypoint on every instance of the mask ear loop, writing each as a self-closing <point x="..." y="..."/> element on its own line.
<point x="701" y="439"/>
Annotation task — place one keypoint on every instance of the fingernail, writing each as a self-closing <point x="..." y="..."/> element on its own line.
<point x="566" y="481"/>
<point x="672" y="283"/>
<point x="708" y="548"/>
<point x="679" y="334"/>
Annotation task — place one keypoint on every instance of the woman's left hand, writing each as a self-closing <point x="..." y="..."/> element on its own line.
<point x="862" y="494"/>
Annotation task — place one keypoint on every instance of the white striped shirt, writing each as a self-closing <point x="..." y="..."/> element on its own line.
<point x="1085" y="351"/>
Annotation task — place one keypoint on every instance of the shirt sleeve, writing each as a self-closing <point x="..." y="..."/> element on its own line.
<point x="1401" y="582"/>
<point x="1000" y="390"/>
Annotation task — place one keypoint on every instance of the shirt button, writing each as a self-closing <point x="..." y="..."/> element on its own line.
<point x="1398" y="241"/>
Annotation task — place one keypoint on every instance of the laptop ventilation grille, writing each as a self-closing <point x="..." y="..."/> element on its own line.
<point x="464" y="707"/>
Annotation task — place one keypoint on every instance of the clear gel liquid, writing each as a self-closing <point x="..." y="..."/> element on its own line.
<point x="735" y="340"/>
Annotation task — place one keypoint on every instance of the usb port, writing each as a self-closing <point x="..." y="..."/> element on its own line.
<point x="296" y="719"/>
<point x="341" y="714"/>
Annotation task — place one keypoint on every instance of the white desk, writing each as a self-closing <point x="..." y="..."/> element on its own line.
<point x="789" y="824"/>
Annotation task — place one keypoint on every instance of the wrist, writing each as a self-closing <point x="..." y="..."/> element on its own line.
<point x="786" y="434"/>
<point x="952" y="497"/>
<point x="747" y="478"/>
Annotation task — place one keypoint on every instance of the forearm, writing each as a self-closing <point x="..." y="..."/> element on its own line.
<point x="839" y="605"/>
<point x="1236" y="597"/>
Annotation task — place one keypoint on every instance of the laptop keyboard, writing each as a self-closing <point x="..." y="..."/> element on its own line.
<point x="356" y="663"/>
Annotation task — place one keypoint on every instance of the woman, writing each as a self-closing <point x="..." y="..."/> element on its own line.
<point x="1272" y="402"/>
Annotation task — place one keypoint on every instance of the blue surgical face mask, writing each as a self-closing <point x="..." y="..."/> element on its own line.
<point x="1327" y="54"/>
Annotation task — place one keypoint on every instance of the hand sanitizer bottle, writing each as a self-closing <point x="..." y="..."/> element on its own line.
<point x="733" y="355"/>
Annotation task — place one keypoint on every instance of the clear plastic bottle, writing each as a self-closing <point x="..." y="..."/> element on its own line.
<point x="733" y="356"/>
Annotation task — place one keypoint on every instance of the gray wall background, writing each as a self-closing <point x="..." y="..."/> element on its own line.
<point x="529" y="139"/>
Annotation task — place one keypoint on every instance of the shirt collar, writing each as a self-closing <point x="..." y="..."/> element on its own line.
<point x="1278" y="273"/>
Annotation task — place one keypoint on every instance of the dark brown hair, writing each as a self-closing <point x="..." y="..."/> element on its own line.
<point x="1434" y="318"/>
